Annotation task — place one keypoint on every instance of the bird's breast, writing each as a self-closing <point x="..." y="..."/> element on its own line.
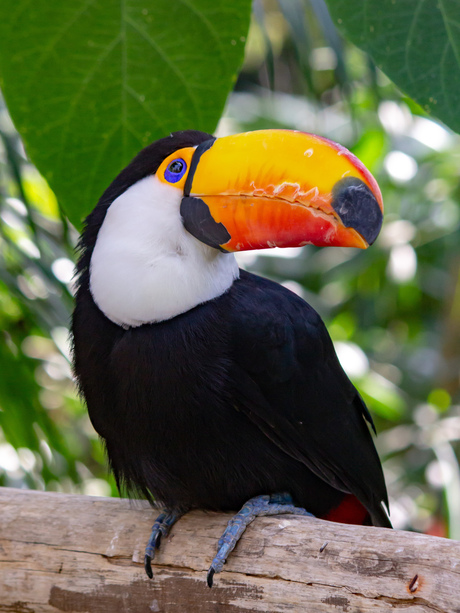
<point x="145" y="267"/>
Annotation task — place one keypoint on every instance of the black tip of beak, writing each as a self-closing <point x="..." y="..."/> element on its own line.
<point x="357" y="207"/>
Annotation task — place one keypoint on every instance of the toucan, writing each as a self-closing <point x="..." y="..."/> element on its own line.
<point x="211" y="387"/>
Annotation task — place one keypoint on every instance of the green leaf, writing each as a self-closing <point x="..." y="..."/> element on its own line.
<point x="415" y="42"/>
<point x="90" y="82"/>
<point x="370" y="148"/>
<point x="382" y="397"/>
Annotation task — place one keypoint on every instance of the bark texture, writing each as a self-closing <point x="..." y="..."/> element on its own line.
<point x="83" y="554"/>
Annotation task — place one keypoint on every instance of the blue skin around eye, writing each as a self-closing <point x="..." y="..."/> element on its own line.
<point x="174" y="177"/>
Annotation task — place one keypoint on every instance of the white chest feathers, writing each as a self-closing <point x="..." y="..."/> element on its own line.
<point x="145" y="266"/>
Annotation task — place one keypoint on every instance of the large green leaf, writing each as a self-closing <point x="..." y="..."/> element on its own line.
<point x="415" y="42"/>
<point x="90" y="82"/>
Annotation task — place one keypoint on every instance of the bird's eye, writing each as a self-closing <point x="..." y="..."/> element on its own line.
<point x="175" y="171"/>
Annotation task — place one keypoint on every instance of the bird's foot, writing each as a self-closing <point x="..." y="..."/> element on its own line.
<point x="275" y="504"/>
<point x="160" y="528"/>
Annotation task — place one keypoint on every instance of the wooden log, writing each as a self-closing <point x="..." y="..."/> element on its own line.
<point x="72" y="553"/>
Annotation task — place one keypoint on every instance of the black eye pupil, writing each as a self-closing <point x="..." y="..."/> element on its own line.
<point x="176" y="167"/>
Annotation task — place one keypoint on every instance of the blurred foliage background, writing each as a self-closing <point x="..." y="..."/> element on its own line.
<point x="392" y="311"/>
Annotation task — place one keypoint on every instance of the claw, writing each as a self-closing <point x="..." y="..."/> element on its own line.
<point x="210" y="576"/>
<point x="276" y="504"/>
<point x="148" y="566"/>
<point x="160" y="528"/>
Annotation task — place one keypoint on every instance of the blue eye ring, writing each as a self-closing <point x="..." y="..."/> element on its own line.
<point x="175" y="170"/>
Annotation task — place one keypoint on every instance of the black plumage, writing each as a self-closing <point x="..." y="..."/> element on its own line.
<point x="240" y="396"/>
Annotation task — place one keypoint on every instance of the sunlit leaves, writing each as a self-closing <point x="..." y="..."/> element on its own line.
<point x="415" y="42"/>
<point x="90" y="82"/>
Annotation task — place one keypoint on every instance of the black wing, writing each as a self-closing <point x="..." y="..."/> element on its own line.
<point x="291" y="384"/>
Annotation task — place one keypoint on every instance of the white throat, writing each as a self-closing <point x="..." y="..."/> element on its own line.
<point x="145" y="266"/>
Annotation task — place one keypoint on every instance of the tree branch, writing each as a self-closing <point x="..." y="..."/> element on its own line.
<point x="70" y="553"/>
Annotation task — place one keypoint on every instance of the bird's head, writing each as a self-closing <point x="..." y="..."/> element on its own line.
<point x="191" y="198"/>
<point x="274" y="188"/>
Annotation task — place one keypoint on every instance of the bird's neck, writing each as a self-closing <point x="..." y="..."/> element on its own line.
<point x="146" y="267"/>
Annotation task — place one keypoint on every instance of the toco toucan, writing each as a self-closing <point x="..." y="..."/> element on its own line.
<point x="211" y="386"/>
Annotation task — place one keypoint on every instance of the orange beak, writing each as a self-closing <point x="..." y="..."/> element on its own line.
<point x="279" y="188"/>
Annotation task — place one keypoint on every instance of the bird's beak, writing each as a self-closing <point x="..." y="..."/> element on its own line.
<point x="279" y="188"/>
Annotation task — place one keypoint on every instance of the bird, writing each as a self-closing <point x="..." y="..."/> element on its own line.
<point x="212" y="387"/>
